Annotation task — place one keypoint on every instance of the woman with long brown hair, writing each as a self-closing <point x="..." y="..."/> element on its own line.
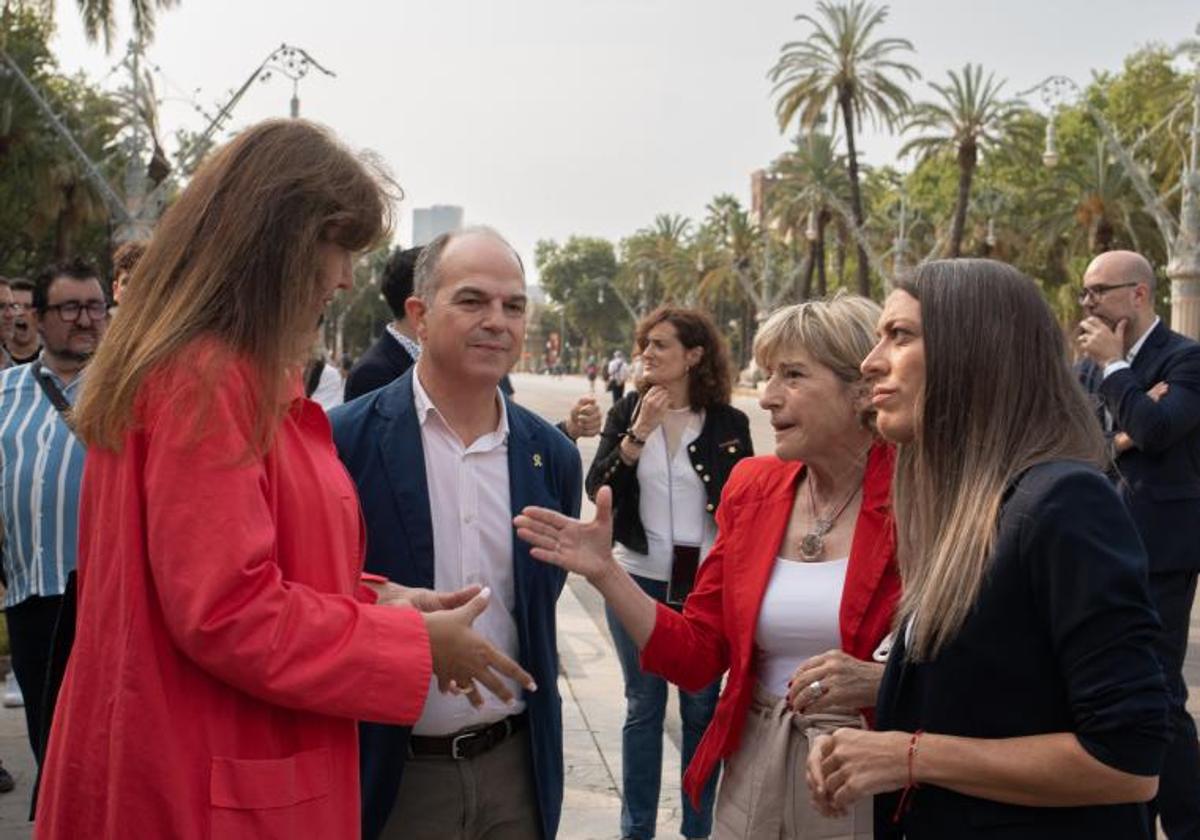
<point x="1022" y="698"/>
<point x="225" y="644"/>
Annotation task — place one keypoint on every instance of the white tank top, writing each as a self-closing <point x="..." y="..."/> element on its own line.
<point x="798" y="618"/>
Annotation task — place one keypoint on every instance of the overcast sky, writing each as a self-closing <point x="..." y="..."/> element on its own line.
<point x="546" y="118"/>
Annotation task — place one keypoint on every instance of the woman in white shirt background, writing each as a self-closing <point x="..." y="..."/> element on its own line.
<point x="666" y="451"/>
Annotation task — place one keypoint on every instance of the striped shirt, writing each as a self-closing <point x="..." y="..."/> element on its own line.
<point x="41" y="465"/>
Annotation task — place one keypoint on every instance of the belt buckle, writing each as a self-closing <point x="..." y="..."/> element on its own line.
<point x="464" y="738"/>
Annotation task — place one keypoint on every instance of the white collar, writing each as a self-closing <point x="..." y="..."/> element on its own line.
<point x="424" y="406"/>
<point x="1137" y="345"/>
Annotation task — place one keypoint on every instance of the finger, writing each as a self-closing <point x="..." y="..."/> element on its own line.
<point x="547" y="517"/>
<point x="495" y="685"/>
<point x="474" y="695"/>
<point x="448" y="687"/>
<point x="604" y="506"/>
<point x="535" y="528"/>
<point x="454" y="600"/>
<point x="512" y="670"/>
<point x="475" y="607"/>
<point x="539" y="541"/>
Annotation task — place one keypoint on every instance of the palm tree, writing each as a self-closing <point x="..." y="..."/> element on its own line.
<point x="657" y="258"/>
<point x="970" y="118"/>
<point x="839" y="61"/>
<point x="99" y="18"/>
<point x="809" y="181"/>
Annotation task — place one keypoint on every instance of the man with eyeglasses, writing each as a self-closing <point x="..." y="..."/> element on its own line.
<point x="1146" y="383"/>
<point x="41" y="465"/>
<point x="25" y="343"/>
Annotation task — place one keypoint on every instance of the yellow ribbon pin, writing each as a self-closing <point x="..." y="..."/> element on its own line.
<point x="537" y="459"/>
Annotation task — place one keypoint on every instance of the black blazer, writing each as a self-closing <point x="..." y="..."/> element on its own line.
<point x="1159" y="478"/>
<point x="723" y="441"/>
<point x="1060" y="640"/>
<point x="384" y="361"/>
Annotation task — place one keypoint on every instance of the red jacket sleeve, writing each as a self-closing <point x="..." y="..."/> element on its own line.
<point x="211" y="542"/>
<point x="692" y="649"/>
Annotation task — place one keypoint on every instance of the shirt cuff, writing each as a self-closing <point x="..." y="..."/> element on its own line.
<point x="1113" y="367"/>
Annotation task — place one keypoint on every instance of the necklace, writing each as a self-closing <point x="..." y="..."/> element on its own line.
<point x="812" y="545"/>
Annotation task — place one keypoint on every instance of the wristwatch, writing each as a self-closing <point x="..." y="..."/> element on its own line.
<point x="633" y="438"/>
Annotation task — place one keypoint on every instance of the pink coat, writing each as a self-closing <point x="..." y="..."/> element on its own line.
<point x="224" y="650"/>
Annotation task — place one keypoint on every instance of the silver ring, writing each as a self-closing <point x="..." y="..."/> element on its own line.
<point x="815" y="688"/>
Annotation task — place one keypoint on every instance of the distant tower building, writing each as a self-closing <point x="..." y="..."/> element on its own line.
<point x="431" y="222"/>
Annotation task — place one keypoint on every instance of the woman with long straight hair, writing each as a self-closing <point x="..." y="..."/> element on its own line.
<point x="226" y="646"/>
<point x="1021" y="698"/>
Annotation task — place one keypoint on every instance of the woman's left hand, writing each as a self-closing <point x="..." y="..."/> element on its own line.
<point x="422" y="600"/>
<point x="834" y="681"/>
<point x="850" y="764"/>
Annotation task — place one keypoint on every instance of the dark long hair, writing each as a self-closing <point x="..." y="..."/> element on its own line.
<point x="999" y="397"/>
<point x="709" y="380"/>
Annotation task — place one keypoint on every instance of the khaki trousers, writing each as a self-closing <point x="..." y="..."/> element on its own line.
<point x="489" y="797"/>
<point x="763" y="793"/>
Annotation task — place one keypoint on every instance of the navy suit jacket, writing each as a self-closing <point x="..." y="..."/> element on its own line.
<point x="378" y="437"/>
<point x="1159" y="478"/>
<point x="383" y="362"/>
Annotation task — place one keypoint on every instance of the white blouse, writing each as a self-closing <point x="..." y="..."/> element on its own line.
<point x="798" y="618"/>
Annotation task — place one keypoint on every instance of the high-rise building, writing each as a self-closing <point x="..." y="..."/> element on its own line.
<point x="431" y="222"/>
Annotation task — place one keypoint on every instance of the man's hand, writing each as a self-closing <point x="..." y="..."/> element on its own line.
<point x="462" y="657"/>
<point x="1123" y="442"/>
<point x="1100" y="344"/>
<point x="584" y="419"/>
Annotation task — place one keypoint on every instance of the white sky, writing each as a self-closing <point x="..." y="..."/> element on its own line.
<point x="546" y="118"/>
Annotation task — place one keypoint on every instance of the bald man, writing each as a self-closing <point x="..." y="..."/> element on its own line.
<point x="1146" y="382"/>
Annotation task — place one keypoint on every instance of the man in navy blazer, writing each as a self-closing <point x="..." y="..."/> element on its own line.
<point x="442" y="462"/>
<point x="1145" y="380"/>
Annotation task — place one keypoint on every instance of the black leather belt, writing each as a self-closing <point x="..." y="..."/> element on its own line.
<point x="468" y="744"/>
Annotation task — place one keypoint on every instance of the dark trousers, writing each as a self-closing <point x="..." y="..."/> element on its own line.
<point x="30" y="632"/>
<point x="1178" y="800"/>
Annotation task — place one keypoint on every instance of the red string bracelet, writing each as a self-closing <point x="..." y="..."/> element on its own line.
<point x="906" y="794"/>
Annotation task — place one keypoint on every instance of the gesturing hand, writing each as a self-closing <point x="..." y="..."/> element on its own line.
<point x="584" y="548"/>
<point x="461" y="657"/>
<point x="834" y="681"/>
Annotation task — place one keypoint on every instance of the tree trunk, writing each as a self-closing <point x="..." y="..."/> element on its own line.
<point x="819" y="247"/>
<point x="966" y="173"/>
<point x="864" y="274"/>
<point x="1102" y="235"/>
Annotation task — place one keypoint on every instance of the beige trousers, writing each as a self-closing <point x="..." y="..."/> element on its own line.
<point x="763" y="793"/>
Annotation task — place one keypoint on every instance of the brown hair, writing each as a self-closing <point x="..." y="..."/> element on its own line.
<point x="235" y="259"/>
<point x="126" y="257"/>
<point x="709" y="380"/>
<point x="999" y="397"/>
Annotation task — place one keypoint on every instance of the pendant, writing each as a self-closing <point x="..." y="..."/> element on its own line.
<point x="812" y="546"/>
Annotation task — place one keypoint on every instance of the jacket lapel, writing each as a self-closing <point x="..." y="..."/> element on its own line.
<point x="403" y="458"/>
<point x="1146" y="363"/>
<point x="872" y="548"/>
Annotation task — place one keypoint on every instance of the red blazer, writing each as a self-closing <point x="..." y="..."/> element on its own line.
<point x="223" y="651"/>
<point x="715" y="632"/>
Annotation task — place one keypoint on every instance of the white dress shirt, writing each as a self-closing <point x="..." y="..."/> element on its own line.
<point x="471" y="513"/>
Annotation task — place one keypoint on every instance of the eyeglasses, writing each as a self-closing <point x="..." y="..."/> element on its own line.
<point x="97" y="310"/>
<point x="1100" y="290"/>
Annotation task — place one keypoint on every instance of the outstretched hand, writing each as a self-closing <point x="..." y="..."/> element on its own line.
<point x="584" y="548"/>
<point x="390" y="594"/>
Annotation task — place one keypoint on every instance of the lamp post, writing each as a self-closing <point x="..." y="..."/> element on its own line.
<point x="1181" y="236"/>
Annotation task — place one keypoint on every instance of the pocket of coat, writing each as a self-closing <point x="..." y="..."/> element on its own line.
<point x="258" y="784"/>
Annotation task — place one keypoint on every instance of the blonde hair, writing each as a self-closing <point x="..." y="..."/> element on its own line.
<point x="837" y="332"/>
<point x="999" y="397"/>
<point x="235" y="259"/>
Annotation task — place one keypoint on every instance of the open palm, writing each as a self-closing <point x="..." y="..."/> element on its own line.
<point x="581" y="547"/>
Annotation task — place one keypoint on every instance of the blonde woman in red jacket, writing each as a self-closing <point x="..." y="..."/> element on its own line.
<point x="796" y="595"/>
